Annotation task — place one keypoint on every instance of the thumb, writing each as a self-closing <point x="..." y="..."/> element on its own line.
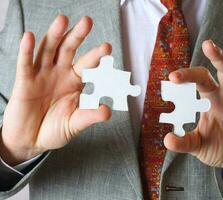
<point x="190" y="143"/>
<point x="84" y="118"/>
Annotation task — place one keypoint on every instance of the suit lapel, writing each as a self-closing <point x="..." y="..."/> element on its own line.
<point x="132" y="168"/>
<point x="211" y="28"/>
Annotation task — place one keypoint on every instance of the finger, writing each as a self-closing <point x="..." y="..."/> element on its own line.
<point x="92" y="58"/>
<point x="200" y="75"/>
<point x="25" y="56"/>
<point x="190" y="143"/>
<point x="51" y="41"/>
<point x="85" y="118"/>
<point x="215" y="55"/>
<point x="72" y="41"/>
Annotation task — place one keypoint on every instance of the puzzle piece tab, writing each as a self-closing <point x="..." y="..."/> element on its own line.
<point x="184" y="97"/>
<point x="108" y="82"/>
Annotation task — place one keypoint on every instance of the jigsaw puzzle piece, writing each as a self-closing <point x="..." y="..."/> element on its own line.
<point x="169" y="119"/>
<point x="184" y="97"/>
<point x="133" y="90"/>
<point x="121" y="105"/>
<point x="202" y="105"/>
<point x="89" y="101"/>
<point x="92" y="102"/>
<point x="88" y="76"/>
<point x="108" y="82"/>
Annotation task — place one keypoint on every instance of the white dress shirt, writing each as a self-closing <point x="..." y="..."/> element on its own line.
<point x="140" y="20"/>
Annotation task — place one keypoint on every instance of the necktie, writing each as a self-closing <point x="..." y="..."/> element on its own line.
<point x="171" y="52"/>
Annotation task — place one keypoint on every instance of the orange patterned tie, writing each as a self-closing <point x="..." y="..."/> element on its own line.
<point x="171" y="52"/>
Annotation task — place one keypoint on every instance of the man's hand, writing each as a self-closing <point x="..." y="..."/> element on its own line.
<point x="42" y="113"/>
<point x="206" y="141"/>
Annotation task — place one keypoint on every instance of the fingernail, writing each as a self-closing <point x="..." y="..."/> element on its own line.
<point x="105" y="48"/>
<point x="217" y="49"/>
<point x="214" y="45"/>
<point x="81" y="28"/>
<point x="59" y="25"/>
<point x="178" y="75"/>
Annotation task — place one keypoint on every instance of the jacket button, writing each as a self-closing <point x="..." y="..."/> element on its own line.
<point x="169" y="188"/>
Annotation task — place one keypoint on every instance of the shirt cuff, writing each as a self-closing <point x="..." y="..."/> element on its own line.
<point x="18" y="168"/>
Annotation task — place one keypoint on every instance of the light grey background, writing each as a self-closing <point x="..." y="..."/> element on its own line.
<point x="24" y="194"/>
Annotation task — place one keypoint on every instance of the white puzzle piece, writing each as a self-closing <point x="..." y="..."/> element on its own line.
<point x="108" y="82"/>
<point x="184" y="97"/>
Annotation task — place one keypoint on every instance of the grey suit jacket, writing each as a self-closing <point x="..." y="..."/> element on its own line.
<point x="101" y="163"/>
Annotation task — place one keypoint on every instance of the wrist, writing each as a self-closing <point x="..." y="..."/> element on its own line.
<point x="14" y="154"/>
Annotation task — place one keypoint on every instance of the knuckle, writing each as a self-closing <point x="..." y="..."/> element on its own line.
<point x="77" y="36"/>
<point x="66" y="47"/>
<point x="47" y="45"/>
<point x="207" y="73"/>
<point x="187" y="73"/>
<point x="48" y="49"/>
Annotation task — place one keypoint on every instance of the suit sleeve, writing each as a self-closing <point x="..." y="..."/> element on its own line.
<point x="10" y="174"/>
<point x="8" y="177"/>
<point x="12" y="181"/>
<point x="219" y="179"/>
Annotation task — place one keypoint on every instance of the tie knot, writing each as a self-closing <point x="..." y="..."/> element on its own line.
<point x="172" y="4"/>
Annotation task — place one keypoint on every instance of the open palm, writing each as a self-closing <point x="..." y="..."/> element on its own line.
<point x="43" y="112"/>
<point x="206" y="141"/>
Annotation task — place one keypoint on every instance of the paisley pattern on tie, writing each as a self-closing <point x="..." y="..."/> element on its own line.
<point x="171" y="52"/>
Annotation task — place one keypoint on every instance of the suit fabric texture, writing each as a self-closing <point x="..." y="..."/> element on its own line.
<point x="101" y="163"/>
